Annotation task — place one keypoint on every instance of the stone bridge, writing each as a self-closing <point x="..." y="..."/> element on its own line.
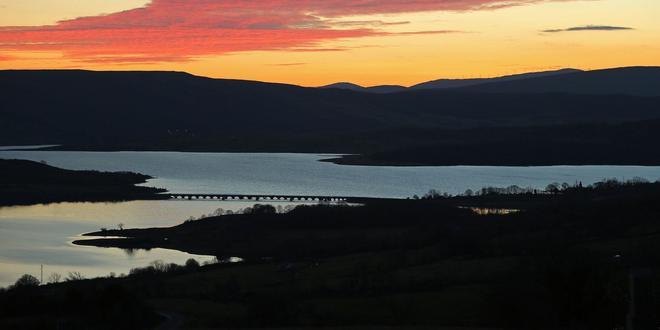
<point x="269" y="198"/>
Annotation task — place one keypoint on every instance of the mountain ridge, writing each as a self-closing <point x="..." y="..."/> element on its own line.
<point x="143" y="110"/>
<point x="379" y="89"/>
<point x="446" y="83"/>
<point x="458" y="83"/>
<point x="635" y="80"/>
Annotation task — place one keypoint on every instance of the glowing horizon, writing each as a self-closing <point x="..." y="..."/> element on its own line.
<point x="318" y="42"/>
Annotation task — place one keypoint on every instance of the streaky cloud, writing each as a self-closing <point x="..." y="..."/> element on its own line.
<point x="179" y="31"/>
<point x="589" y="28"/>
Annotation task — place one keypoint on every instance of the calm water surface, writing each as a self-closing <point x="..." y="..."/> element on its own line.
<point x="31" y="236"/>
<point x="34" y="235"/>
<point x="304" y="174"/>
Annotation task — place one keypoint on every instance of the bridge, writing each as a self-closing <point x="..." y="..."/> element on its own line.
<point x="267" y="198"/>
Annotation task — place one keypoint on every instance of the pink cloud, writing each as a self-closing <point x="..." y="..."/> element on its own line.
<point x="180" y="30"/>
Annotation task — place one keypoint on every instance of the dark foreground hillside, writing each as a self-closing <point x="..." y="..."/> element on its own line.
<point x="577" y="258"/>
<point x="27" y="182"/>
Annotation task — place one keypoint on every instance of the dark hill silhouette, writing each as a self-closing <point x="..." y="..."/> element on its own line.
<point x="593" y="144"/>
<point x="384" y="89"/>
<point x="25" y="182"/>
<point x="642" y="81"/>
<point x="345" y="85"/>
<point x="179" y="111"/>
<point x="638" y="81"/>
<point x="445" y="83"/>
<point x="457" y="83"/>
<point x="28" y="172"/>
<point x="381" y="89"/>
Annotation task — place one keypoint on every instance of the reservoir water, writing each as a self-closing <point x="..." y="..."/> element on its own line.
<point x="31" y="236"/>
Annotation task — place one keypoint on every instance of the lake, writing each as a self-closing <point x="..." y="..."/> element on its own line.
<point x="34" y="235"/>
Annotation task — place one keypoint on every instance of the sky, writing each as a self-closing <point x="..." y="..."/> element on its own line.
<point x="317" y="42"/>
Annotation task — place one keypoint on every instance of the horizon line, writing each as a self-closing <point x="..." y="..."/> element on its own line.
<point x="336" y="82"/>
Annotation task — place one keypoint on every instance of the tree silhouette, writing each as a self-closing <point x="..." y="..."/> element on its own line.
<point x="26" y="281"/>
<point x="74" y="276"/>
<point x="192" y="264"/>
<point x="54" y="278"/>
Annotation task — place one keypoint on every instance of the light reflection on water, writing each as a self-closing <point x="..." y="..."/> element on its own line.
<point x="491" y="211"/>
<point x="34" y="235"/>
<point x="303" y="174"/>
<point x="42" y="234"/>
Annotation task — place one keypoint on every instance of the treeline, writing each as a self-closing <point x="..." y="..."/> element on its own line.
<point x="255" y="209"/>
<point x="552" y="188"/>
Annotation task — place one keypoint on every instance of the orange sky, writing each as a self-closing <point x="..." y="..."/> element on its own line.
<point x="316" y="42"/>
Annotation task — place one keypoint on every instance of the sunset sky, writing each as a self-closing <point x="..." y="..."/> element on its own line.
<point x="316" y="42"/>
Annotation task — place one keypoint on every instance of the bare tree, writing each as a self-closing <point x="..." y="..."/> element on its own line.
<point x="159" y="266"/>
<point x="26" y="281"/>
<point x="54" y="278"/>
<point x="120" y="226"/>
<point x="74" y="276"/>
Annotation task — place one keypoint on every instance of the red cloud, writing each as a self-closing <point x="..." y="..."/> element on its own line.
<point x="178" y="30"/>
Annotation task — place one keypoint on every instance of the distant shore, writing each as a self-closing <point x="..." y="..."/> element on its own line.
<point x="508" y="154"/>
<point x="26" y="183"/>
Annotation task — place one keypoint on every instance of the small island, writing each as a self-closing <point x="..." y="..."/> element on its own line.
<point x="25" y="182"/>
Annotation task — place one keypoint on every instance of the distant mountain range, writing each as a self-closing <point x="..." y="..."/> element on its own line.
<point x="382" y="89"/>
<point x="178" y="111"/>
<point x="630" y="81"/>
<point x="641" y="81"/>
<point x="447" y="83"/>
<point x="458" y="83"/>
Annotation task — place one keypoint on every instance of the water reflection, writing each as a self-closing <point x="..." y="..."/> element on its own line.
<point x="229" y="260"/>
<point x="31" y="236"/>
<point x="303" y="174"/>
<point x="491" y="211"/>
<point x="34" y="235"/>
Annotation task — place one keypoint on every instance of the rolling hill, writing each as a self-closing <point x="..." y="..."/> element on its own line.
<point x="446" y="83"/>
<point x="458" y="83"/>
<point x="640" y="81"/>
<point x="381" y="89"/>
<point x="179" y="111"/>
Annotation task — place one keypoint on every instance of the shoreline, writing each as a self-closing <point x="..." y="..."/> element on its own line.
<point x="361" y="160"/>
<point x="30" y="183"/>
<point x="343" y="158"/>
